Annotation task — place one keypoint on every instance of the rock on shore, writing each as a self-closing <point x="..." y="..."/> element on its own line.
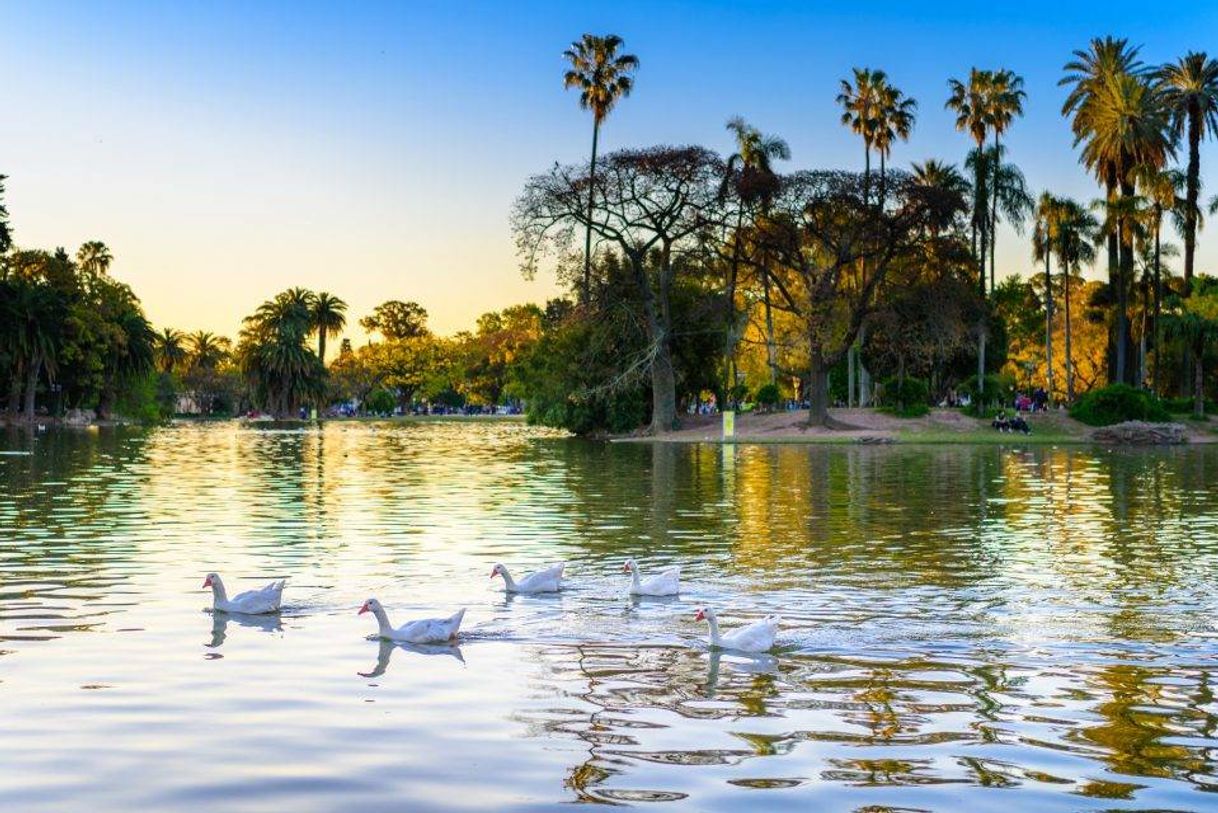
<point x="1139" y="433"/>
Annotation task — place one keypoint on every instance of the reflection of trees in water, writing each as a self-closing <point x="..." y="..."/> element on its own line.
<point x="70" y="508"/>
<point x="1141" y="707"/>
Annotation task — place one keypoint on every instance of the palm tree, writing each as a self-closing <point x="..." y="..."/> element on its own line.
<point x="1190" y="93"/>
<point x="894" y="119"/>
<point x="1197" y="325"/>
<point x="207" y="351"/>
<point x="328" y="318"/>
<point x="1162" y="196"/>
<point x="603" y="76"/>
<point x="94" y="258"/>
<point x="1077" y="229"/>
<point x="1044" y="240"/>
<point x="945" y="178"/>
<point x="170" y="349"/>
<point x="1120" y="120"/>
<point x="971" y="104"/>
<point x="1006" y="97"/>
<point x="750" y="172"/>
<point x="860" y="104"/>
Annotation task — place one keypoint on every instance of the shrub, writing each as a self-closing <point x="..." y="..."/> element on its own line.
<point x="767" y="396"/>
<point x="999" y="389"/>
<point x="380" y="402"/>
<point x="1117" y="403"/>
<point x="907" y="399"/>
<point x="1179" y="406"/>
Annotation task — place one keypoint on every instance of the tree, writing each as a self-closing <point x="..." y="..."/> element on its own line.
<point x="396" y="320"/>
<point x="1077" y="229"/>
<point x="1122" y="123"/>
<point x="825" y="229"/>
<point x="751" y="175"/>
<point x="6" y="231"/>
<point x="94" y="258"/>
<point x="602" y="76"/>
<point x="894" y="120"/>
<point x="329" y="317"/>
<point x="652" y="204"/>
<point x="1005" y="101"/>
<point x="1162" y="192"/>
<point x="1190" y="94"/>
<point x="282" y="371"/>
<point x="974" y="115"/>
<point x="171" y="350"/>
<point x="1045" y="232"/>
<point x="860" y="103"/>
<point x="1196" y="323"/>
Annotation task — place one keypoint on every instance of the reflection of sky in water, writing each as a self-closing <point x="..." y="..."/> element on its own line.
<point x="965" y="627"/>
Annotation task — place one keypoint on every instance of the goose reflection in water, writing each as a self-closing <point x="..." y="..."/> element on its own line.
<point x="221" y="620"/>
<point x="387" y="649"/>
<point x="746" y="664"/>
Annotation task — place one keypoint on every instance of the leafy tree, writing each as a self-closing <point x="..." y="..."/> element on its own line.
<point x="328" y="318"/>
<point x="396" y="320"/>
<point x="1196" y="323"/>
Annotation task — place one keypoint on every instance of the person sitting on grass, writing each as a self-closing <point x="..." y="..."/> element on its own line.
<point x="1000" y="421"/>
<point x="1018" y="424"/>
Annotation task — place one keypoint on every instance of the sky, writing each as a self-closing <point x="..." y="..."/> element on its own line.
<point x="228" y="150"/>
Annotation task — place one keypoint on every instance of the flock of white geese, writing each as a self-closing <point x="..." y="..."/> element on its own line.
<point x="756" y="637"/>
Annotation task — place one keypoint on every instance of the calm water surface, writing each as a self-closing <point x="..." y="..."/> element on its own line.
<point x="967" y="629"/>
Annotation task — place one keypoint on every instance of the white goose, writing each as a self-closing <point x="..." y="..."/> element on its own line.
<point x="756" y="637"/>
<point x="543" y="581"/>
<point x="667" y="583"/>
<point x="252" y="602"/>
<point x="423" y="631"/>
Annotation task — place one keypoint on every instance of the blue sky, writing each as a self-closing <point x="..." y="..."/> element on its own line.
<point x="228" y="150"/>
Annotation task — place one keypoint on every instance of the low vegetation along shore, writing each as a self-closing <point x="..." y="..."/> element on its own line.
<point x="939" y="426"/>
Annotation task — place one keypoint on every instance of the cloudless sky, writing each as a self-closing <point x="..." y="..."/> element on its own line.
<point x="228" y="150"/>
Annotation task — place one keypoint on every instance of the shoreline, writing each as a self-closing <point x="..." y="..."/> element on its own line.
<point x="939" y="427"/>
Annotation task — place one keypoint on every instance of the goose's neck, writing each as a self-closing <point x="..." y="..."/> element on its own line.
<point x="714" y="628"/>
<point x="219" y="594"/>
<point x="382" y="622"/>
<point x="507" y="579"/>
<point x="634" y="575"/>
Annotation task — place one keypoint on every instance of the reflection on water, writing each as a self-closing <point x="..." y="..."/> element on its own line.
<point x="964" y="628"/>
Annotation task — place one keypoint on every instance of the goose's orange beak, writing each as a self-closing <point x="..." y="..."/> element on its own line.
<point x="207" y="582"/>
<point x="494" y="573"/>
<point x="700" y="616"/>
<point x="363" y="609"/>
<point x="626" y="568"/>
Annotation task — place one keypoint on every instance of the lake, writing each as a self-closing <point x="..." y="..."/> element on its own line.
<point x="965" y="628"/>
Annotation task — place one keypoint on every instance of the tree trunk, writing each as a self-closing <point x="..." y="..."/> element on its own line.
<point x="1125" y="229"/>
<point x="850" y="376"/>
<point x="864" y="376"/>
<point x="1048" y="321"/>
<point x="1069" y="362"/>
<point x="663" y="389"/>
<point x="1198" y="383"/>
<point x="771" y="352"/>
<point x="596" y="131"/>
<point x="994" y="211"/>
<point x="729" y="338"/>
<point x="14" y="392"/>
<point x="818" y="391"/>
<point x="1192" y="188"/>
<point x="1158" y="309"/>
<point x="31" y="385"/>
<point x="980" y="368"/>
<point x="1114" y="273"/>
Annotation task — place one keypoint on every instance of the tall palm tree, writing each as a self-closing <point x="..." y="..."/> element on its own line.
<point x="1162" y="195"/>
<point x="328" y="318"/>
<point x="207" y="350"/>
<point x="971" y="103"/>
<point x="894" y="119"/>
<point x="1006" y="95"/>
<point x="170" y="349"/>
<point x="1044" y="241"/>
<point x="860" y="102"/>
<point x="1190" y="92"/>
<point x="602" y="76"/>
<point x="94" y="258"/>
<point x="750" y="172"/>
<point x="1077" y="229"/>
<point x="1120" y="119"/>
<point x="944" y="177"/>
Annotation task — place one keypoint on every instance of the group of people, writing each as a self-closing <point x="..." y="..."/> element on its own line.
<point x="1012" y="423"/>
